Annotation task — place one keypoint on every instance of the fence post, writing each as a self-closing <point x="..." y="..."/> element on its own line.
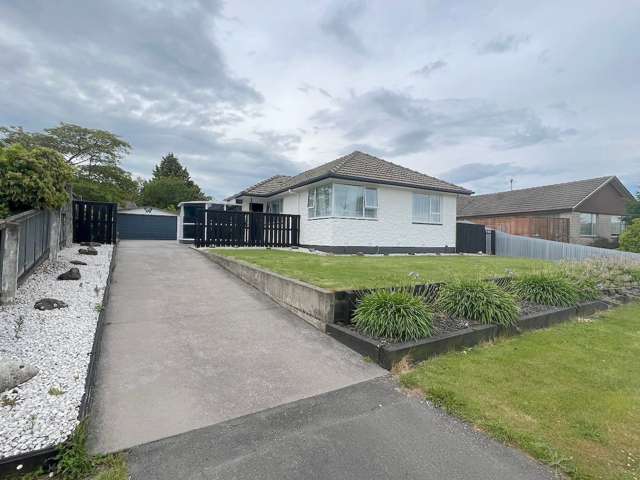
<point x="10" y="242"/>
<point x="54" y="234"/>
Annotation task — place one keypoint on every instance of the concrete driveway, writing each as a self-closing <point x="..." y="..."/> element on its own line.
<point x="187" y="345"/>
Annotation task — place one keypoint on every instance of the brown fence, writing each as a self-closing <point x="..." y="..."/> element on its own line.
<point x="547" y="228"/>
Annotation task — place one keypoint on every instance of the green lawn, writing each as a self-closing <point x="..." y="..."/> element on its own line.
<point x="569" y="395"/>
<point x="339" y="272"/>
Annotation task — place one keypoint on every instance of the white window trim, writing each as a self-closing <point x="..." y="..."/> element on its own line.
<point x="333" y="202"/>
<point x="420" y="221"/>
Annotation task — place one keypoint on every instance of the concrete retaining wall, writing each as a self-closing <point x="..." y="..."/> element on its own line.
<point x="315" y="305"/>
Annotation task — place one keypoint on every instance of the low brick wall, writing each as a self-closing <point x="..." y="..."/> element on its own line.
<point x="313" y="304"/>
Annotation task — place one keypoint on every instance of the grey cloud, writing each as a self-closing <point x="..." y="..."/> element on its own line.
<point x="338" y="24"/>
<point x="402" y="124"/>
<point x="429" y="68"/>
<point x="503" y="44"/>
<point x="307" y="88"/>
<point x="478" y="171"/>
<point x="150" y="72"/>
<point x="158" y="60"/>
<point x="280" y="142"/>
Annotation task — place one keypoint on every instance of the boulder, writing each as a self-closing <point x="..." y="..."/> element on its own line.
<point x="77" y="262"/>
<point x="90" y="244"/>
<point x="49" y="304"/>
<point x="71" y="274"/>
<point x="88" y="251"/>
<point x="14" y="373"/>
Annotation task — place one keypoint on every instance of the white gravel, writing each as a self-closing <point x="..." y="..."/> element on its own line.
<point x="58" y="343"/>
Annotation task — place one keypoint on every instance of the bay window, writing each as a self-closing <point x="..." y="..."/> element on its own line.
<point x="588" y="224"/>
<point x="340" y="200"/>
<point x="427" y="208"/>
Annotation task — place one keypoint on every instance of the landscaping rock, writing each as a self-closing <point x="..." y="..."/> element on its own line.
<point x="14" y="373"/>
<point x="77" y="262"/>
<point x="88" y="251"/>
<point x="49" y="304"/>
<point x="90" y="244"/>
<point x="71" y="274"/>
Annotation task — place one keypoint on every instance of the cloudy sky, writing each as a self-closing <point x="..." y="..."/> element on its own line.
<point x="473" y="92"/>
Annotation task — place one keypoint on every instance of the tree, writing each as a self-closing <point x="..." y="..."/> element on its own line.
<point x="630" y="238"/>
<point x="170" y="185"/>
<point x="633" y="210"/>
<point x="105" y="183"/>
<point x="168" y="192"/>
<point x="77" y="144"/>
<point x="170" y="166"/>
<point x="32" y="178"/>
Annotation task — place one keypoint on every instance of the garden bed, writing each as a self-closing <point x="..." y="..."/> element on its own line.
<point x="454" y="334"/>
<point x="61" y="343"/>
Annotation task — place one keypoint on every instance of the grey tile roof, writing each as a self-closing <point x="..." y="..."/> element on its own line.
<point x="561" y="196"/>
<point x="355" y="166"/>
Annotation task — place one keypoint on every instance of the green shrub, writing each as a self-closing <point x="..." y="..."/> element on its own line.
<point x="630" y="237"/>
<point x="478" y="300"/>
<point x="397" y="314"/>
<point x="546" y="288"/>
<point x="606" y="273"/>
<point x="36" y="178"/>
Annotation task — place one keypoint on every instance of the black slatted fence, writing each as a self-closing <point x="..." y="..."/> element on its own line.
<point x="215" y="228"/>
<point x="94" y="221"/>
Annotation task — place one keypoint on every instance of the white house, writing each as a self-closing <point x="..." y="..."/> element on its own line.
<point x="360" y="203"/>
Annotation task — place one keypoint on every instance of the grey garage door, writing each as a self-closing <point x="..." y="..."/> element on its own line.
<point x="146" y="227"/>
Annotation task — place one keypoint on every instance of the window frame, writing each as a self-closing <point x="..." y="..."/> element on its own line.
<point x="430" y="220"/>
<point x="620" y="223"/>
<point x="312" y="202"/>
<point x="279" y="201"/>
<point x="594" y="224"/>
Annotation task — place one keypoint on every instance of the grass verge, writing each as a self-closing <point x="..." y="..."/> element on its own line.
<point x="568" y="395"/>
<point x="75" y="463"/>
<point x="345" y="272"/>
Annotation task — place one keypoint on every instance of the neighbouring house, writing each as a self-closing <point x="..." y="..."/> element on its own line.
<point x="360" y="203"/>
<point x="585" y="212"/>
<point x="188" y="214"/>
<point x="146" y="223"/>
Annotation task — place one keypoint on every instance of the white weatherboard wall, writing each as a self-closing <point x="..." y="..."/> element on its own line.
<point x="392" y="228"/>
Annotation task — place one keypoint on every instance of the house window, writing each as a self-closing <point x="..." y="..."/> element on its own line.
<point x="319" y="202"/>
<point x="427" y="208"/>
<point x="355" y="201"/>
<point x="588" y="224"/>
<point x="340" y="200"/>
<point x="617" y="225"/>
<point x="275" y="206"/>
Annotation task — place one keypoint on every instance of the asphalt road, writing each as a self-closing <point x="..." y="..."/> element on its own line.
<point x="365" y="431"/>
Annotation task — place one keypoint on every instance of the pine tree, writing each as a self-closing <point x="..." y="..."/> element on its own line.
<point x="170" y="166"/>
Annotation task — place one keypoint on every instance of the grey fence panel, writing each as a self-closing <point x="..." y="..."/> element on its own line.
<point x="508" y="245"/>
<point x="33" y="234"/>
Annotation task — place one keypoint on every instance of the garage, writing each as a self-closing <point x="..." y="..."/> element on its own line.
<point x="146" y="223"/>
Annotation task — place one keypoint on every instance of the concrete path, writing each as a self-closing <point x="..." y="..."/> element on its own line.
<point x="363" y="432"/>
<point x="187" y="345"/>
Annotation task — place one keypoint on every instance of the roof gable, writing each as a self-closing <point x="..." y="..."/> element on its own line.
<point x="355" y="166"/>
<point x="561" y="196"/>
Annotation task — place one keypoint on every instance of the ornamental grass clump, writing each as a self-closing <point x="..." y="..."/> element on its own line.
<point x="546" y="288"/>
<point x="397" y="314"/>
<point x="478" y="300"/>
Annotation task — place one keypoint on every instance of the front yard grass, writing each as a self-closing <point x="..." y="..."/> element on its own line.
<point x="568" y="395"/>
<point x="341" y="272"/>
